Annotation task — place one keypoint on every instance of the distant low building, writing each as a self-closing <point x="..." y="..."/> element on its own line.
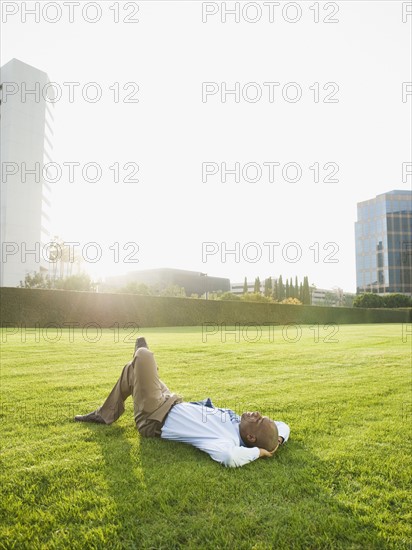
<point x="237" y="288"/>
<point x="334" y="297"/>
<point x="193" y="282"/>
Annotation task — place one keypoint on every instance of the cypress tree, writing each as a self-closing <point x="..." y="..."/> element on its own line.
<point x="281" y="289"/>
<point x="245" y="286"/>
<point x="268" y="286"/>
<point x="306" y="291"/>
<point x="275" y="290"/>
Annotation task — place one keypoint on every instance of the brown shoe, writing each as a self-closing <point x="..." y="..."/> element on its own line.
<point x="91" y="417"/>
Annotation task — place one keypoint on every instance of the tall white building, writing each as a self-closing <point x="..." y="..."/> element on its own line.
<point x="26" y="144"/>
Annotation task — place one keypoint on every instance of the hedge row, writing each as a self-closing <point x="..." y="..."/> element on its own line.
<point x="35" y="307"/>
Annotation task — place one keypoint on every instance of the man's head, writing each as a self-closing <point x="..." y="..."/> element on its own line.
<point x="258" y="431"/>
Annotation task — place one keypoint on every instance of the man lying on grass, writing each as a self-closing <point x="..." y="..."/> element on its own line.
<point x="226" y="437"/>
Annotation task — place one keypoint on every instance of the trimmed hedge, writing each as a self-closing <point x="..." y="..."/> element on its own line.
<point x="37" y="307"/>
<point x="370" y="299"/>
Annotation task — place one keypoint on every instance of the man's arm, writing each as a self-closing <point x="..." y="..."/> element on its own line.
<point x="283" y="431"/>
<point x="233" y="456"/>
<point x="228" y="454"/>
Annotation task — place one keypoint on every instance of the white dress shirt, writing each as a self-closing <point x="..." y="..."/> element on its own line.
<point x="214" y="431"/>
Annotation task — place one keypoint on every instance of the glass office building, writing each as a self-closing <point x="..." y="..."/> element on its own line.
<point x="383" y="234"/>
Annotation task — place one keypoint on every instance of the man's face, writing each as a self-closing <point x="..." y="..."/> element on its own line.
<point x="259" y="430"/>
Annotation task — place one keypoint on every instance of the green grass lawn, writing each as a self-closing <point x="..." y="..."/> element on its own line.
<point x="340" y="482"/>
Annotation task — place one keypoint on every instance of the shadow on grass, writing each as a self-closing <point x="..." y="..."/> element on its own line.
<point x="170" y="495"/>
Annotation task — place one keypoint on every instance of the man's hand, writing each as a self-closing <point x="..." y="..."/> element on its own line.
<point x="263" y="453"/>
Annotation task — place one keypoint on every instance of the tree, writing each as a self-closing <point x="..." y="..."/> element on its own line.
<point x="301" y="292"/>
<point x="287" y="289"/>
<point x="136" y="288"/>
<point x="275" y="290"/>
<point x="245" y="287"/>
<point x="73" y="282"/>
<point x="281" y="289"/>
<point x="369" y="299"/>
<point x="229" y="296"/>
<point x="306" y="295"/>
<point x="291" y="288"/>
<point x="256" y="289"/>
<point x="76" y="282"/>
<point x="255" y="297"/>
<point x="296" y="295"/>
<point x="292" y="301"/>
<point x="348" y="300"/>
<point x="174" y="291"/>
<point x="62" y="258"/>
<point x="397" y="300"/>
<point x="268" y="287"/>
<point x="330" y="299"/>
<point x="36" y="280"/>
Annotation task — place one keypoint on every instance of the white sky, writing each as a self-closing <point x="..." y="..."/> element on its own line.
<point x="170" y="132"/>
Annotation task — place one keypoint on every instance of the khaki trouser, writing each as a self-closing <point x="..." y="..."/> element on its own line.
<point x="151" y="397"/>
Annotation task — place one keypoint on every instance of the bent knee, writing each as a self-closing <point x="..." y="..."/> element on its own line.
<point x="143" y="352"/>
